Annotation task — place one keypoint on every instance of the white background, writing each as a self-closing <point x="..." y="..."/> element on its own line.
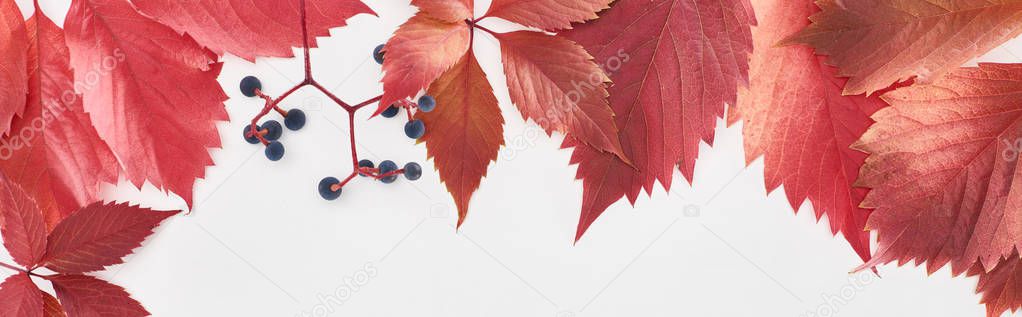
<point x="260" y="241"/>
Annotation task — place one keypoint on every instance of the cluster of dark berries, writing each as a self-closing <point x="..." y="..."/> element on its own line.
<point x="270" y="131"/>
<point x="330" y="187"/>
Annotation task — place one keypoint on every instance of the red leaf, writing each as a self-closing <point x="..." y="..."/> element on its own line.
<point x="796" y="118"/>
<point x="674" y="65"/>
<point x="1001" y="287"/>
<point x="155" y="98"/>
<point x="554" y="82"/>
<point x="251" y="28"/>
<point x="86" y="296"/>
<point x="21" y="224"/>
<point x="421" y="50"/>
<point x="13" y="50"/>
<point x="20" y="297"/>
<point x="549" y="15"/>
<point x="466" y="129"/>
<point x="879" y="42"/>
<point x="452" y="11"/>
<point x="54" y="152"/>
<point x="944" y="170"/>
<point x="98" y="236"/>
<point x="51" y="308"/>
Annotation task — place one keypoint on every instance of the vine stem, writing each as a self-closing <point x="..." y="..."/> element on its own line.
<point x="15" y="268"/>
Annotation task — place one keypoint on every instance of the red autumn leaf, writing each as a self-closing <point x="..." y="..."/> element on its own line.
<point x="466" y="130"/>
<point x="879" y="42"/>
<point x="54" y="152"/>
<point x="674" y="65"/>
<point x="51" y="307"/>
<point x="20" y="297"/>
<point x="251" y="28"/>
<point x="21" y="224"/>
<point x="86" y="296"/>
<point x="943" y="169"/>
<point x="98" y="236"/>
<point x="554" y="82"/>
<point x="13" y="52"/>
<point x="421" y="50"/>
<point x="1002" y="287"/>
<point x="154" y="97"/>
<point x="550" y="15"/>
<point x="795" y="117"/>
<point x="453" y="11"/>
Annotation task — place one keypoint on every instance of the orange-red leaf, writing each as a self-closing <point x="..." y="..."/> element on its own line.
<point x="944" y="170"/>
<point x="421" y="50"/>
<point x="795" y="117"/>
<point x="20" y="297"/>
<point x="550" y="15"/>
<point x="51" y="307"/>
<point x="879" y="42"/>
<point x="453" y="11"/>
<point x="674" y="65"/>
<point x="1002" y="287"/>
<point x="251" y="28"/>
<point x="154" y="97"/>
<point x="466" y="129"/>
<point x="21" y="224"/>
<point x="54" y="152"/>
<point x="86" y="296"/>
<point x="555" y="83"/>
<point x="98" y="236"/>
<point x="13" y="53"/>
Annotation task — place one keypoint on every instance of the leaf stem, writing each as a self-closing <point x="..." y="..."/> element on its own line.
<point x="12" y="267"/>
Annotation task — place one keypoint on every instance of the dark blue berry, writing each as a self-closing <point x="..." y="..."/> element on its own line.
<point x="415" y="129"/>
<point x="250" y="138"/>
<point x="295" y="119"/>
<point x="326" y="188"/>
<point x="427" y="103"/>
<point x="378" y="54"/>
<point x="413" y="171"/>
<point x="390" y="112"/>
<point x="365" y="163"/>
<point x="275" y="151"/>
<point x="387" y="167"/>
<point x="249" y="85"/>
<point x="274" y="130"/>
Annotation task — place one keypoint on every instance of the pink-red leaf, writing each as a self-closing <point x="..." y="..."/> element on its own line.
<point x="98" y="236"/>
<point x="879" y="42"/>
<point x="421" y="50"/>
<point x="944" y="170"/>
<point x="86" y="296"/>
<point x="54" y="152"/>
<point x="466" y="129"/>
<point x="251" y="28"/>
<point x="13" y="53"/>
<point x="555" y="83"/>
<point x="51" y="307"/>
<point x="21" y="224"/>
<point x="20" y="297"/>
<point x="452" y="11"/>
<point x="674" y="65"/>
<point x="549" y="15"/>
<point x="795" y="117"/>
<point x="1002" y="287"/>
<point x="154" y="99"/>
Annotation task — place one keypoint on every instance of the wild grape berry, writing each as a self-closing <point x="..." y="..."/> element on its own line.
<point x="249" y="85"/>
<point x="413" y="171"/>
<point x="415" y="129"/>
<point x="378" y="54"/>
<point x="250" y="138"/>
<point x="275" y="151"/>
<point x="387" y="167"/>
<point x="365" y="164"/>
<point x="427" y="103"/>
<point x="326" y="188"/>
<point x="390" y="112"/>
<point x="295" y="119"/>
<point x="274" y="130"/>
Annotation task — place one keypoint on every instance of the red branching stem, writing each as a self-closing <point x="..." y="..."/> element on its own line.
<point x="12" y="267"/>
<point x="305" y="42"/>
<point x="351" y="133"/>
<point x="368" y="102"/>
<point x="332" y="97"/>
